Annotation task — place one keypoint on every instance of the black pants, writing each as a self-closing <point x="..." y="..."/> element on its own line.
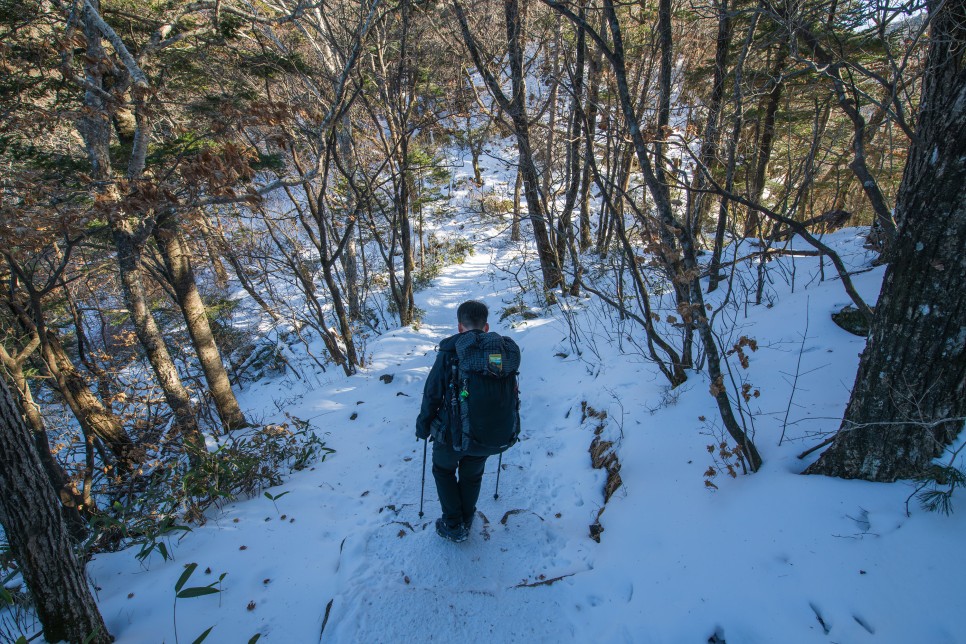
<point x="457" y="496"/>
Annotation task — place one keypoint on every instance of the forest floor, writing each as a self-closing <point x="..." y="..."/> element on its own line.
<point x="341" y="554"/>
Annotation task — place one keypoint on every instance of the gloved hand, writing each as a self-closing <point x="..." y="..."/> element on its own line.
<point x="422" y="432"/>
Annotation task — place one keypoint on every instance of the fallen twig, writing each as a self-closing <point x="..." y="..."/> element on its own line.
<point x="544" y="582"/>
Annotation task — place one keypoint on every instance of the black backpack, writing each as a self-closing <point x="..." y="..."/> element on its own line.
<point x="483" y="398"/>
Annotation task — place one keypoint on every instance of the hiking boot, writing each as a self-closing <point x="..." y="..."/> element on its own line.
<point x="458" y="534"/>
<point x="468" y="521"/>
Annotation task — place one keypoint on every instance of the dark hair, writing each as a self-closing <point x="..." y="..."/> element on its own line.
<point x="472" y="314"/>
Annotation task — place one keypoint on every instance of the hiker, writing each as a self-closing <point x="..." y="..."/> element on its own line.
<point x="470" y="409"/>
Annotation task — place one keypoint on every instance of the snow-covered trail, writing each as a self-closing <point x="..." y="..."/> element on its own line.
<point x="344" y="557"/>
<point x="396" y="576"/>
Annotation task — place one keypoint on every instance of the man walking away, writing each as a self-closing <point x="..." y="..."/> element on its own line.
<point x="470" y="408"/>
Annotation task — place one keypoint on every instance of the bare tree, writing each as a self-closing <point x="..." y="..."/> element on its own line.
<point x="515" y="106"/>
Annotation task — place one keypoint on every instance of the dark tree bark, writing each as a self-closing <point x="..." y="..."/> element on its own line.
<point x="909" y="397"/>
<point x="756" y="183"/>
<point x="590" y="127"/>
<point x="39" y="539"/>
<point x="700" y="203"/>
<point x="181" y="274"/>
<point x="517" y="190"/>
<point x="70" y="500"/>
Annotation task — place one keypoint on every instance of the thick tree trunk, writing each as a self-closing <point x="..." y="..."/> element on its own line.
<point x="39" y="539"/>
<point x="909" y="397"/>
<point x="70" y="500"/>
<point x="178" y="263"/>
<point x="149" y="335"/>
<point x="58" y="477"/>
<point x="95" y="128"/>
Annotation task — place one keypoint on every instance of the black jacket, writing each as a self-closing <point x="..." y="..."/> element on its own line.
<point x="434" y="392"/>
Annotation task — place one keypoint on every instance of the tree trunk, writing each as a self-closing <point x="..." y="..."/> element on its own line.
<point x="517" y="189"/>
<point x="349" y="258"/>
<point x="95" y="128"/>
<point x="515" y="107"/>
<point x="90" y="411"/>
<point x="700" y="202"/>
<point x="548" y="163"/>
<point x="350" y="268"/>
<point x="766" y="143"/>
<point x="714" y="267"/>
<point x="70" y="500"/>
<point x="565" y="234"/>
<point x="405" y="300"/>
<point x="92" y="415"/>
<point x="593" y="96"/>
<point x="39" y="539"/>
<point x="909" y="397"/>
<point x="149" y="335"/>
<point x="178" y="264"/>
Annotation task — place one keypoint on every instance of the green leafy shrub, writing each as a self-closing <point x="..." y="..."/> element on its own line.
<point x="177" y="492"/>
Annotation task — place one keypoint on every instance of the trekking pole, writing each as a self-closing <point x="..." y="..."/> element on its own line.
<point x="422" y="488"/>
<point x="499" y="466"/>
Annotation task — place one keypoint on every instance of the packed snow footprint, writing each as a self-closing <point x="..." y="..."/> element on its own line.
<point x="414" y="582"/>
